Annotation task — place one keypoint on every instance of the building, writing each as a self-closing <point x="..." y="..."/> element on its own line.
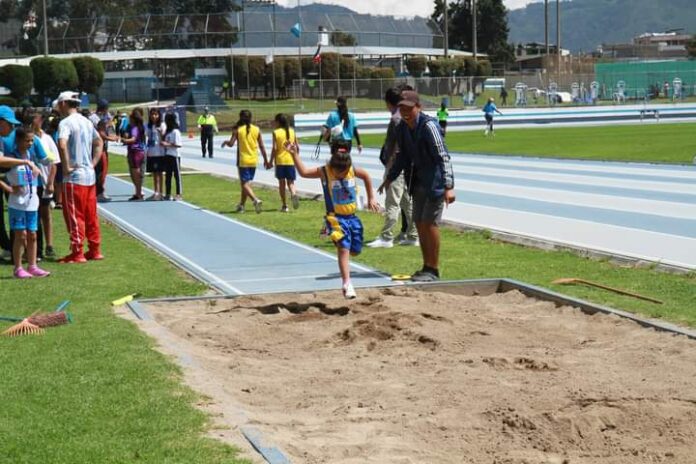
<point x="651" y="45"/>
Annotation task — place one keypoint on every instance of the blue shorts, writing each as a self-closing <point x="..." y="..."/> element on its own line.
<point x="286" y="172"/>
<point x="246" y="174"/>
<point x="346" y="232"/>
<point x="23" y="220"/>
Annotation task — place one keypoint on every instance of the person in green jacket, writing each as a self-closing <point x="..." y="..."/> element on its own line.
<point x="207" y="125"/>
<point x="442" y="115"/>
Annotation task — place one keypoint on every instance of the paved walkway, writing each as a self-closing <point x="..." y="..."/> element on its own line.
<point x="231" y="256"/>
<point x="640" y="211"/>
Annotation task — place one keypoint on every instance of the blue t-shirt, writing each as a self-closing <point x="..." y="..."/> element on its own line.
<point x="490" y="108"/>
<point x="334" y="120"/>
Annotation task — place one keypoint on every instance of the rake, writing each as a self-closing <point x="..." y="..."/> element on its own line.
<point x="35" y="324"/>
<point x="570" y="281"/>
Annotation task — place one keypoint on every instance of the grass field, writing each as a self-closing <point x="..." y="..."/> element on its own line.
<point x="95" y="391"/>
<point x="657" y="143"/>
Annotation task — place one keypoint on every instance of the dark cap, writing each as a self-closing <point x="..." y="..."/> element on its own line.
<point x="409" y="98"/>
<point x="102" y="104"/>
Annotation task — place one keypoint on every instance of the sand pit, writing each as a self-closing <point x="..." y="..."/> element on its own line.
<point x="404" y="376"/>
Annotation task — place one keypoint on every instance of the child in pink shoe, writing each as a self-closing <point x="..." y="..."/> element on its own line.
<point x="23" y="207"/>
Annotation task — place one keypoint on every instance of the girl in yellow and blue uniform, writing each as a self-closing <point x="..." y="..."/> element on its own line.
<point x="338" y="182"/>
<point x="284" y="164"/>
<point x="249" y="141"/>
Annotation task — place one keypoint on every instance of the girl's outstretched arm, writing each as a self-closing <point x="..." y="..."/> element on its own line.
<point x="302" y="170"/>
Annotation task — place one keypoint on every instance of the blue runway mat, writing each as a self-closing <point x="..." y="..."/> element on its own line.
<point x="231" y="256"/>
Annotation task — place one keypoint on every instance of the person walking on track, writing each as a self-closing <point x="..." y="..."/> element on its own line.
<point x="489" y="110"/>
<point x="208" y="126"/>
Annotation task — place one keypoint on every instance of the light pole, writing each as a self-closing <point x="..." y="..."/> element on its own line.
<point x="474" y="26"/>
<point x="446" y="30"/>
<point x="558" y="36"/>
<point x="45" y="28"/>
<point x="546" y="26"/>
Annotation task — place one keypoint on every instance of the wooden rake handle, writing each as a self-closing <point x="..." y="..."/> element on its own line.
<point x="568" y="281"/>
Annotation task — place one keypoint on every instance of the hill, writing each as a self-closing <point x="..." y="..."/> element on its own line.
<point x="585" y="24"/>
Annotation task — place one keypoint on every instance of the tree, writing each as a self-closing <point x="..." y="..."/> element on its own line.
<point x="342" y="39"/>
<point x="18" y="79"/>
<point x="53" y="75"/>
<point x="416" y="65"/>
<point x="90" y="73"/>
<point x="691" y="47"/>
<point x="492" y="27"/>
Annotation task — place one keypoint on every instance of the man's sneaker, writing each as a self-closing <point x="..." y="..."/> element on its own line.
<point x="103" y="198"/>
<point x="380" y="243"/>
<point x="73" y="258"/>
<point x="50" y="252"/>
<point x="36" y="271"/>
<point x="257" y="206"/>
<point x="239" y="208"/>
<point x="409" y="242"/>
<point x="424" y="276"/>
<point x="284" y="209"/>
<point x="20" y="273"/>
<point x="94" y="256"/>
<point x="349" y="291"/>
<point x="295" y="201"/>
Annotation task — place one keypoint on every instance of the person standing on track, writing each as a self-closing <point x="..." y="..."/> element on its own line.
<point x="155" y="130"/>
<point x="489" y="111"/>
<point x="341" y="125"/>
<point x="285" y="164"/>
<point x="442" y="115"/>
<point x="136" y="151"/>
<point x="103" y="121"/>
<point x="207" y="125"/>
<point x="171" y="144"/>
<point x="80" y="148"/>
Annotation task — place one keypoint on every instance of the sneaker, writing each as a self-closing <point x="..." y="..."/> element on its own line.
<point x="401" y="237"/>
<point x="349" y="291"/>
<point x="73" y="258"/>
<point x="295" y="201"/>
<point x="50" y="252"/>
<point x="136" y="198"/>
<point x="284" y="209"/>
<point x="169" y="198"/>
<point x="409" y="242"/>
<point x="94" y="256"/>
<point x="178" y="198"/>
<point x="424" y="276"/>
<point x="103" y="198"/>
<point x="257" y="206"/>
<point x="36" y="271"/>
<point x="20" y="273"/>
<point x="380" y="243"/>
<point x="239" y="208"/>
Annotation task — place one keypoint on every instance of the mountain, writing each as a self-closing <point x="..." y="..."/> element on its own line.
<point x="585" y="24"/>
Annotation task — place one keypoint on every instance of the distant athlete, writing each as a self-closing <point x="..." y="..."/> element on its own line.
<point x="489" y="110"/>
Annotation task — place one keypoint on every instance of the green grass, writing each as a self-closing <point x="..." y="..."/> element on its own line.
<point x="464" y="255"/>
<point x="96" y="391"/>
<point x="663" y="143"/>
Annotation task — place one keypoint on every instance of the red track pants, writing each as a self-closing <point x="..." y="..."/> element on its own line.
<point x="80" y="213"/>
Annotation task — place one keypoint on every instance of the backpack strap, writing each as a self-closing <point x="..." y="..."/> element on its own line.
<point x="327" y="194"/>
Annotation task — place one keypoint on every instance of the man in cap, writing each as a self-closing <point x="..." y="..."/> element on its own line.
<point x="430" y="178"/>
<point x="80" y="148"/>
<point x="8" y="121"/>
<point x="103" y="121"/>
<point x="207" y="124"/>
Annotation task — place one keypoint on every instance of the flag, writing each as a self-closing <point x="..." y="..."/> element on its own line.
<point x="296" y="30"/>
<point x="316" y="59"/>
<point x="269" y="58"/>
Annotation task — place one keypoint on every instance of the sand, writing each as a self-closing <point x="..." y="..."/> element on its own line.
<point x="404" y="376"/>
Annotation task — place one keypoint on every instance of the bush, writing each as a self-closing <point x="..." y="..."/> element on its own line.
<point x="18" y="79"/>
<point x="90" y="73"/>
<point x="382" y="73"/>
<point x="441" y="67"/>
<point x="484" y="68"/>
<point x="416" y="65"/>
<point x="53" y="75"/>
<point x="9" y="101"/>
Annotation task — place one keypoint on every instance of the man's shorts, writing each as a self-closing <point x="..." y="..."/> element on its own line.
<point x="286" y="172"/>
<point x="246" y="174"/>
<point x="155" y="164"/>
<point x="346" y="232"/>
<point x="23" y="220"/>
<point x="427" y="210"/>
<point x="136" y="159"/>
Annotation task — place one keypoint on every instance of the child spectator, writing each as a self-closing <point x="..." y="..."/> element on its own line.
<point x="24" y="207"/>
<point x="285" y="166"/>
<point x="136" y="151"/>
<point x="155" y="156"/>
<point x="171" y="145"/>
<point x="248" y="139"/>
<point x="338" y="182"/>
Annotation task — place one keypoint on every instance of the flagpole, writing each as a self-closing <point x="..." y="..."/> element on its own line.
<point x="299" y="50"/>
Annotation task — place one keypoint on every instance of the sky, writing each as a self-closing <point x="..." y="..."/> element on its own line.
<point x="393" y="7"/>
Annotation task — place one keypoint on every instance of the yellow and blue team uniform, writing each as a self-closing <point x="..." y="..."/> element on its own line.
<point x="340" y="195"/>
<point x="285" y="165"/>
<point x="247" y="152"/>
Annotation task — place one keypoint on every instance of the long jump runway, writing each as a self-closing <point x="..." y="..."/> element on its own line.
<point x="632" y="210"/>
<point x="231" y="256"/>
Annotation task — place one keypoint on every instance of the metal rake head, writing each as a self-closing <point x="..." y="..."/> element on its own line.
<point x="23" y="328"/>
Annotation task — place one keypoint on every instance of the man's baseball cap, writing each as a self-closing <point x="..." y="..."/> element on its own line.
<point x="8" y="115"/>
<point x="69" y="96"/>
<point x="409" y="98"/>
<point x="102" y="104"/>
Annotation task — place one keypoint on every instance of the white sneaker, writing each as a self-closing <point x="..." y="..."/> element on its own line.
<point x="349" y="291"/>
<point x="257" y="206"/>
<point x="295" y="201"/>
<point x="284" y="209"/>
<point x="409" y="242"/>
<point x="379" y="243"/>
<point x="239" y="208"/>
